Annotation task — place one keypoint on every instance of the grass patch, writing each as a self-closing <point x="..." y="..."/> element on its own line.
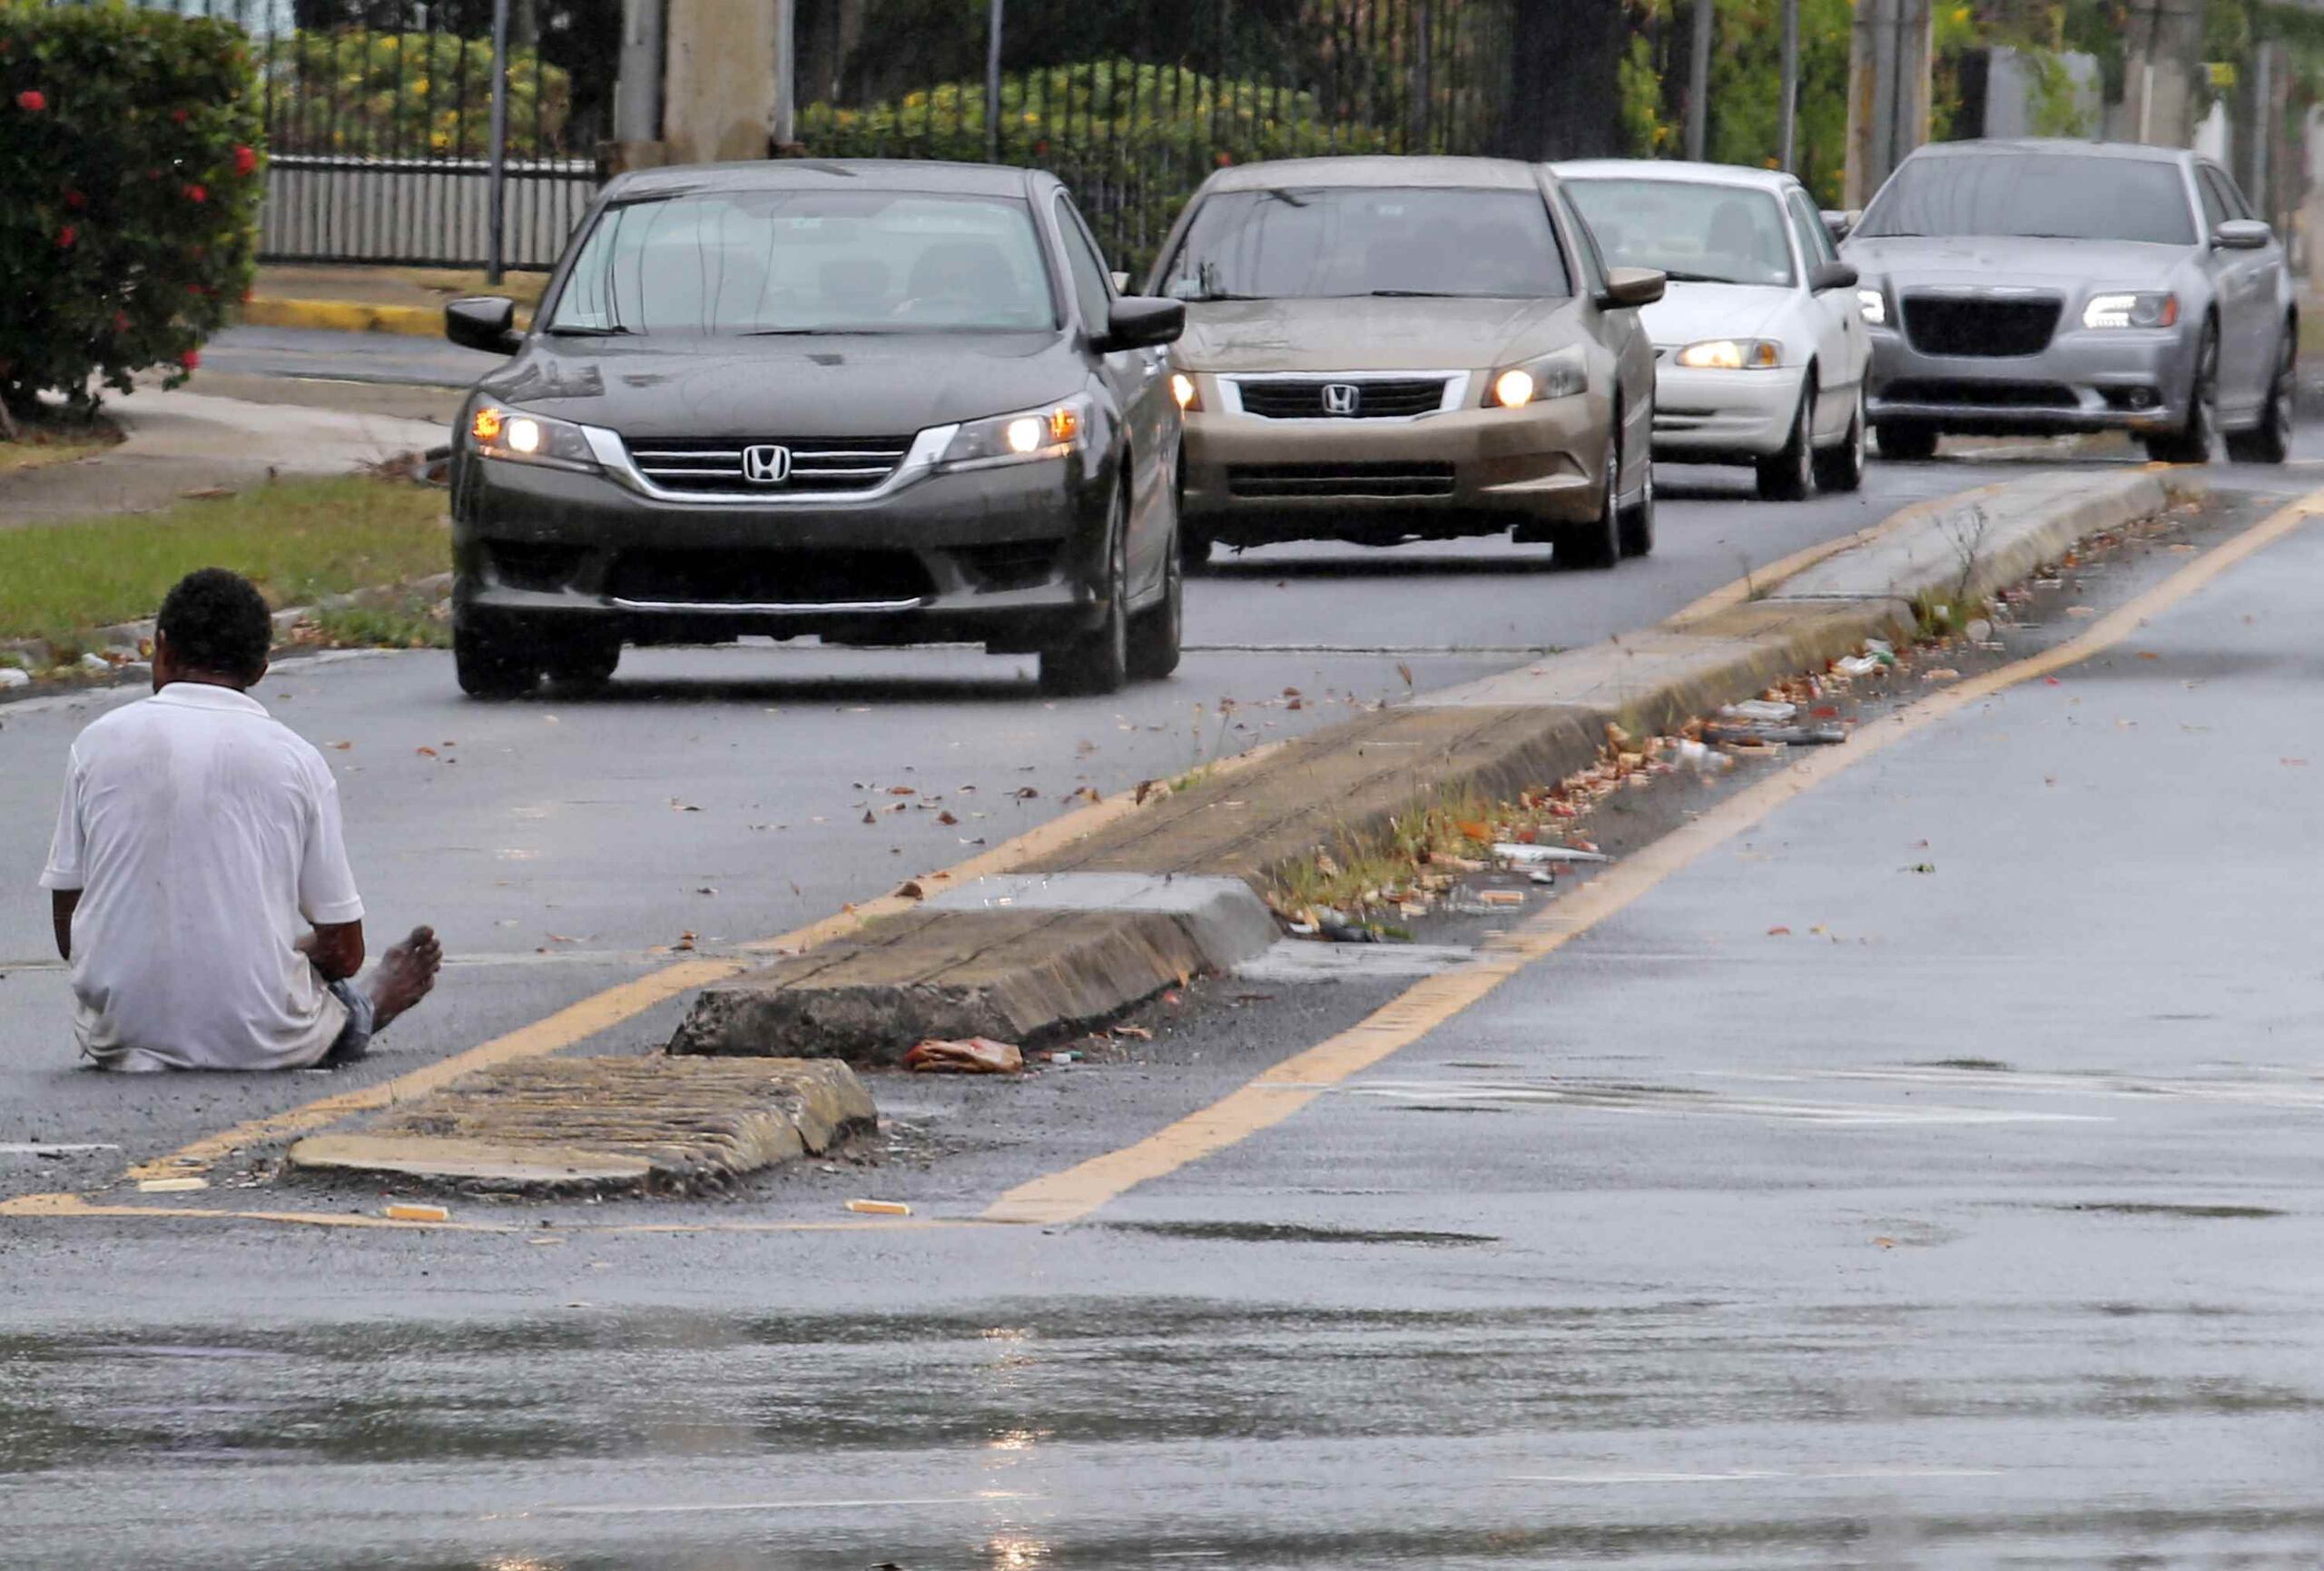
<point x="43" y="440"/>
<point x="400" y="622"/>
<point x="298" y="541"/>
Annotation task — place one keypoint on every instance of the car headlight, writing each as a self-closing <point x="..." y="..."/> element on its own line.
<point x="1874" y="305"/>
<point x="495" y="432"/>
<point x="1183" y="389"/>
<point x="2156" y="310"/>
<point x="1050" y="432"/>
<point x="1558" y="376"/>
<point x="1732" y="355"/>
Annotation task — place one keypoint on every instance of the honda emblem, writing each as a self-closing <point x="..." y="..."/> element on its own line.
<point x="766" y="465"/>
<point x="1341" y="398"/>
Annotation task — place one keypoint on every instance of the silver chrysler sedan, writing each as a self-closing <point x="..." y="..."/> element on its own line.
<point x="2040" y="286"/>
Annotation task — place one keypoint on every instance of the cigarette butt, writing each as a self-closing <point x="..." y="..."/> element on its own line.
<point x="171" y="1186"/>
<point x="880" y="1207"/>
<point x="1502" y="897"/>
<point x="418" y="1215"/>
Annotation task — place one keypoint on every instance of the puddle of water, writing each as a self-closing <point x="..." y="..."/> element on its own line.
<point x="1293" y="1233"/>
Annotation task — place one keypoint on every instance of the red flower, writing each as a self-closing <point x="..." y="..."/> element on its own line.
<point x="245" y="162"/>
<point x="178" y="115"/>
<point x="1224" y="159"/>
<point x="191" y="359"/>
<point x="121" y="321"/>
<point x="196" y="194"/>
<point x="65" y="236"/>
<point x="195" y="289"/>
<point x="153" y="174"/>
<point x="76" y="200"/>
<point x="31" y="101"/>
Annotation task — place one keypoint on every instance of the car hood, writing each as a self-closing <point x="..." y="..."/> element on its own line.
<point x="2066" y="265"/>
<point x="855" y="385"/>
<point x="1373" y="335"/>
<point x="1688" y="312"/>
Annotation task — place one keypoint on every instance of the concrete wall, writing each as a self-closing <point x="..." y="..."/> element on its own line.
<point x="718" y="80"/>
<point x="417" y="211"/>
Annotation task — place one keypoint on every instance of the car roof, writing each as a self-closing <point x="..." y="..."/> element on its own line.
<point x="2130" y="151"/>
<point x="923" y="175"/>
<point x="1674" y="169"/>
<point x="1362" y="170"/>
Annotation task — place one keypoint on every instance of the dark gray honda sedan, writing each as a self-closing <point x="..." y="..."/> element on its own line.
<point x="879" y="402"/>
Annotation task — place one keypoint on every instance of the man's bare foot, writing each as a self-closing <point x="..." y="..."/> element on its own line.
<point x="405" y="975"/>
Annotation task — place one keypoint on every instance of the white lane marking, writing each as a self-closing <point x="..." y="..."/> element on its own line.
<point x="1444" y="649"/>
<point x="34" y="1148"/>
<point x="986" y="1498"/>
<point x="2302" y="1091"/>
<point x="1754" y="1476"/>
<point x="1585" y="1097"/>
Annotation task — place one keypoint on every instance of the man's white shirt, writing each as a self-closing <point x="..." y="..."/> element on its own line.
<point x="204" y="836"/>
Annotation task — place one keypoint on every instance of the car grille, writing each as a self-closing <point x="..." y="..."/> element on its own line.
<point x="529" y="565"/>
<point x="1265" y="482"/>
<point x="1374" y="399"/>
<point x="767" y="578"/>
<point x="1980" y="327"/>
<point x="823" y="464"/>
<point x="2016" y="395"/>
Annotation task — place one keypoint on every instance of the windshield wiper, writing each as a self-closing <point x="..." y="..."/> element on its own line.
<point x="1416" y="294"/>
<point x="574" y="332"/>
<point x="804" y="331"/>
<point x="1679" y="276"/>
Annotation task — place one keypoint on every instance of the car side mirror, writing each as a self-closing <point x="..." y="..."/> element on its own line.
<point x="2242" y="235"/>
<point x="1631" y="286"/>
<point x="1838" y="226"/>
<point x="1142" y="321"/>
<point x="1121" y="283"/>
<point x="485" y="321"/>
<point x="1827" y="276"/>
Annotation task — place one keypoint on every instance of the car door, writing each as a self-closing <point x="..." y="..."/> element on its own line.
<point x="2242" y="281"/>
<point x="1843" y="346"/>
<point x="1624" y="336"/>
<point x="1141" y="399"/>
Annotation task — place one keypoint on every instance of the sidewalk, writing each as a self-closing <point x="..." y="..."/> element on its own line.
<point x="183" y="441"/>
<point x="408" y="301"/>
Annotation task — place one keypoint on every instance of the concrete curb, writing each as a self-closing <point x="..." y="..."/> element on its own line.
<point x="351" y="316"/>
<point x="1025" y="976"/>
<point x="134" y="636"/>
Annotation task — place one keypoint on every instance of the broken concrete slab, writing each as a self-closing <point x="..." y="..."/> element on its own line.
<point x="597" y="1125"/>
<point x="1228" y="923"/>
<point x="1012" y="975"/>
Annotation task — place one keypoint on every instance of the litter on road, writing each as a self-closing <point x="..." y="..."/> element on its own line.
<point x="1523" y="856"/>
<point x="966" y="1056"/>
<point x="417" y="1213"/>
<point x="880" y="1207"/>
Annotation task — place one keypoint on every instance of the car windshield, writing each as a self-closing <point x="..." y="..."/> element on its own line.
<point x="1312" y="242"/>
<point x="724" y="264"/>
<point x="2047" y="195"/>
<point x="1695" y="232"/>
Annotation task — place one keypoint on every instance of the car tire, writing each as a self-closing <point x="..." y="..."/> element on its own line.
<point x="493" y="657"/>
<point x="1789" y="476"/>
<point x="583" y="661"/>
<point x="2191" y="442"/>
<point x="1638" y="519"/>
<point x="1907" y="443"/>
<point x="1193" y="548"/>
<point x="1098" y="661"/>
<point x="1841" y="468"/>
<point x="1598" y="544"/>
<point x="1155" y="632"/>
<point x="2270" y="441"/>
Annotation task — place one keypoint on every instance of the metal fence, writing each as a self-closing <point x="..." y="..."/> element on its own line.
<point x="379" y="125"/>
<point x="1132" y="103"/>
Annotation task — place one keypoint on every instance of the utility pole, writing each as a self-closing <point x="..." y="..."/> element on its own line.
<point x="1888" y="91"/>
<point x="1699" y="82"/>
<point x="992" y="86"/>
<point x="784" y="131"/>
<point x="2162" y="41"/>
<point x="497" y="178"/>
<point x="1787" y="115"/>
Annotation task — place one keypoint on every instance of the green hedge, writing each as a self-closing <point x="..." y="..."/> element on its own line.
<point x="128" y="150"/>
<point x="411" y="95"/>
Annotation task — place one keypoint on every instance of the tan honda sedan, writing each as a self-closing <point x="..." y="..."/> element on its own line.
<point x="1380" y="350"/>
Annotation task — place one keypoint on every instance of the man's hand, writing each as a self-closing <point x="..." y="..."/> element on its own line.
<point x="335" y="949"/>
<point x="62" y="904"/>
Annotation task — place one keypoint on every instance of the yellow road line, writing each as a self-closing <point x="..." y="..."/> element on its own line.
<point x="1274" y="1096"/>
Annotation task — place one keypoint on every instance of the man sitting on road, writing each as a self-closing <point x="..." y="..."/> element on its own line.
<point x="198" y="840"/>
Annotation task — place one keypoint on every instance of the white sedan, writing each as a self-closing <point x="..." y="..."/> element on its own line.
<point x="1760" y="348"/>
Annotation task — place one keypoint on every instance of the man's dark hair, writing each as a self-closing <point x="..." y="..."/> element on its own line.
<point x="217" y="623"/>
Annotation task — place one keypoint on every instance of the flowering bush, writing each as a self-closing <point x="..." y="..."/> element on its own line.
<point x="129" y="157"/>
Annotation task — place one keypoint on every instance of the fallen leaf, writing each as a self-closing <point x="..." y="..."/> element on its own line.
<point x="1138" y="1032"/>
<point x="342" y="746"/>
<point x="686" y="941"/>
<point x="426" y="752"/>
<point x="902" y="791"/>
<point x="1405" y="672"/>
<point x="911" y="890"/>
<point x="1145" y="789"/>
<point x="1087" y="792"/>
<point x="1779" y="932"/>
<point x="870" y="817"/>
<point x="2293" y="763"/>
<point x="2149" y="655"/>
<point x="1885" y="1243"/>
<point x="946" y="818"/>
<point x="1473" y="829"/>
<point x="2080" y="611"/>
<point x="1025" y="793"/>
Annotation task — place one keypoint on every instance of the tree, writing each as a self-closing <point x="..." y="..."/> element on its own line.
<point x="1565" y="80"/>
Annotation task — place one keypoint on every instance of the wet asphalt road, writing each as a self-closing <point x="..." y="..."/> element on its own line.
<point x="1977" y="1227"/>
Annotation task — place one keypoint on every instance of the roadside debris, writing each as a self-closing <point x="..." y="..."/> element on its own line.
<point x="416" y="1213"/>
<point x="880" y="1207"/>
<point x="171" y="1186"/>
<point x="966" y="1056"/>
<point x="1523" y="855"/>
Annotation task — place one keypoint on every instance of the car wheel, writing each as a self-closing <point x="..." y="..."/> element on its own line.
<point x="2270" y="441"/>
<point x="2191" y="442"/>
<point x="583" y="660"/>
<point x="494" y="658"/>
<point x="1098" y="661"/>
<point x="1841" y="468"/>
<point x="1906" y="442"/>
<point x="1598" y="542"/>
<point x="1790" y="475"/>
<point x="1638" y="519"/>
<point x="1193" y="548"/>
<point x="1155" y="632"/>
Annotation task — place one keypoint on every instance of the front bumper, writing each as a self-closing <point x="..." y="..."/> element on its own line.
<point x="1011" y="556"/>
<point x="1458" y="471"/>
<point x="1723" y="416"/>
<point x="2087" y="379"/>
